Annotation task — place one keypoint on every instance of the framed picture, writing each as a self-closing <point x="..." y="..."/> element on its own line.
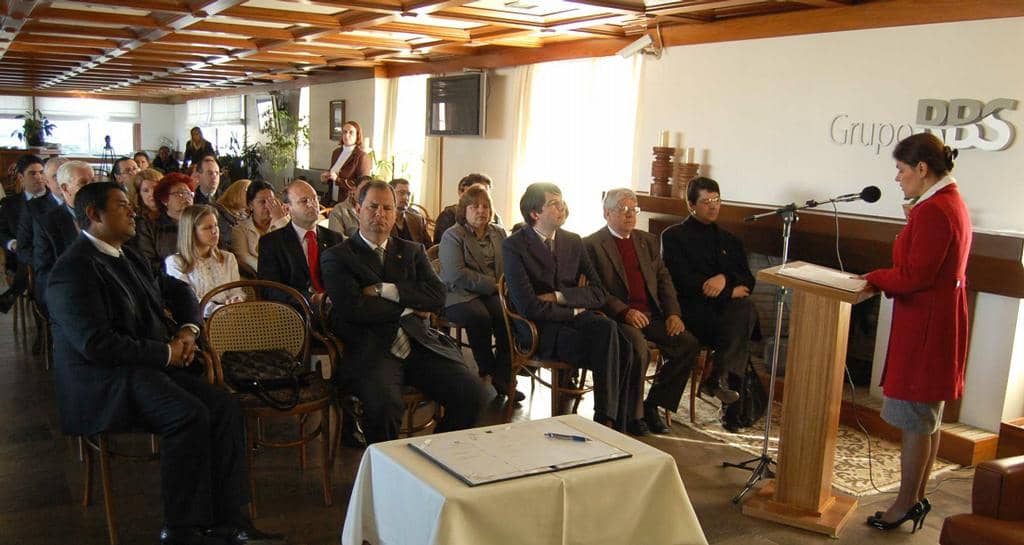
<point x="264" y="107"/>
<point x="337" y="118"/>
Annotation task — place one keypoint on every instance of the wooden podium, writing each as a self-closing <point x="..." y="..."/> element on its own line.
<point x="801" y="493"/>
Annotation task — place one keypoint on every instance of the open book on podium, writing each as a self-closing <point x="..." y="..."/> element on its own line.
<point x="824" y="276"/>
<point x="487" y="455"/>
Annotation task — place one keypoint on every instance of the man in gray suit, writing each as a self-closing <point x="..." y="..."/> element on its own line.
<point x="642" y="299"/>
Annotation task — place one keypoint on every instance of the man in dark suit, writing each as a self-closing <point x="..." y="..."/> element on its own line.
<point x="29" y="170"/>
<point x="120" y="364"/>
<point x="207" y="180"/>
<point x="642" y="299"/>
<point x="409" y="224"/>
<point x="56" y="230"/>
<point x="291" y="255"/>
<point x="543" y="265"/>
<point x="713" y="280"/>
<point x="383" y="288"/>
<point x="36" y="209"/>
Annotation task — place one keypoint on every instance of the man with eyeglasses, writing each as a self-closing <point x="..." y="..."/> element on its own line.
<point x="291" y="255"/>
<point x="543" y="267"/>
<point x="710" y="271"/>
<point x="642" y="299"/>
<point x="123" y="171"/>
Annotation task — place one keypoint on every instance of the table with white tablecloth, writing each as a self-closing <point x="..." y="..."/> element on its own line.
<point x="400" y="497"/>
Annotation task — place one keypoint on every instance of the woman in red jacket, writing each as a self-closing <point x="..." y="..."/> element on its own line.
<point x="924" y="366"/>
<point x="349" y="162"/>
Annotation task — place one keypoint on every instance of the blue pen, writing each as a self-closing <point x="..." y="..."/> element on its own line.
<point x="566" y="437"/>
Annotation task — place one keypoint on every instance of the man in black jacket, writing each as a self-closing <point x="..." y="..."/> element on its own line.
<point x="121" y="363"/>
<point x="56" y="229"/>
<point x="383" y="288"/>
<point x="29" y="169"/>
<point x="709" y="268"/>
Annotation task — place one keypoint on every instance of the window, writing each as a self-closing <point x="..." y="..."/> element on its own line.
<point x="88" y="137"/>
<point x="580" y="125"/>
<point x="410" y="130"/>
<point x="8" y="126"/>
<point x="220" y="135"/>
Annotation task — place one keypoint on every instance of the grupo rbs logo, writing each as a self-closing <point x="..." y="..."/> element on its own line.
<point x="962" y="123"/>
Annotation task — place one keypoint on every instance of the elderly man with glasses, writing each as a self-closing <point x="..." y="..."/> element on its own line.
<point x="641" y="297"/>
<point x="710" y="271"/>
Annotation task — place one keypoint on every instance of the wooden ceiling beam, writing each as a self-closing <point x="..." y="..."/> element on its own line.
<point x="146" y="5"/>
<point x="687" y="6"/>
<point x="182" y="49"/>
<point x="143" y="21"/>
<point x="363" y="41"/>
<point x="197" y="39"/>
<point x="625" y="8"/>
<point x="33" y="38"/>
<point x="15" y="14"/>
<point x="324" y="51"/>
<point x="243" y="30"/>
<point x="54" y="50"/>
<point x="425" y="30"/>
<point x="283" y="16"/>
<point x="285" y="58"/>
<point x="78" y="30"/>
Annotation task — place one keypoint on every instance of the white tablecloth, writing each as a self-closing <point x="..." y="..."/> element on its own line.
<point x="402" y="498"/>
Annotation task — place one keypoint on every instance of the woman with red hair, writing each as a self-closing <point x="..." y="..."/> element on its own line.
<point x="349" y="162"/>
<point x="159" y="239"/>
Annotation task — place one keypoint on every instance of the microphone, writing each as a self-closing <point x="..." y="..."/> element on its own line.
<point x="870" y="193"/>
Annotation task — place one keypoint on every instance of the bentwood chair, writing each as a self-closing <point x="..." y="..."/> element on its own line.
<point x="267" y="325"/>
<point x="524" y="358"/>
<point x="428" y="221"/>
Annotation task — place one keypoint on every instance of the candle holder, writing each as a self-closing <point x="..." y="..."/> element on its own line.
<point x="684" y="173"/>
<point x="661" y="171"/>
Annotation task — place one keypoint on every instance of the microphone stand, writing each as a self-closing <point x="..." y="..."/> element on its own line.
<point x="764" y="462"/>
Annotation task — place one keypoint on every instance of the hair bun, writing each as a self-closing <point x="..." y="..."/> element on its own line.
<point x="950" y="154"/>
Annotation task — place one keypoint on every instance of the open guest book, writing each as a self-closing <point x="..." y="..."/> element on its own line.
<point x="823" y="275"/>
<point x="497" y="454"/>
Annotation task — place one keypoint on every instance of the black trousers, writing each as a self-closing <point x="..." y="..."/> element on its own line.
<point x="203" y="475"/>
<point x="679" y="351"/>
<point x="482" y="318"/>
<point x="595" y="342"/>
<point x="727" y="329"/>
<point x="450" y="383"/>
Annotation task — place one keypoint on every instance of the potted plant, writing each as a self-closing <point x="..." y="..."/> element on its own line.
<point x="283" y="135"/>
<point x="35" y="128"/>
<point x="242" y="161"/>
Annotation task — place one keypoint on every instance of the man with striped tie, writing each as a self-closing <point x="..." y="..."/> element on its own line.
<point x="383" y="288"/>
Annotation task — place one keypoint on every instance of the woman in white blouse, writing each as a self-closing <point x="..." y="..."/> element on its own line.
<point x="199" y="263"/>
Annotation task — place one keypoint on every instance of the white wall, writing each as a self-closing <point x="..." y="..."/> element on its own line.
<point x="157" y="122"/>
<point x="359" y="99"/>
<point x="758" y="111"/>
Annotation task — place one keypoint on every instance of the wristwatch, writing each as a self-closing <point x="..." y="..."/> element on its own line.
<point x="379" y="289"/>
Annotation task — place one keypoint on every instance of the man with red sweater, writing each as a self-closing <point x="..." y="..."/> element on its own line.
<point x="643" y="300"/>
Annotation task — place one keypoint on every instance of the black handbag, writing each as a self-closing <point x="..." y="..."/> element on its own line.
<point x="274" y="376"/>
<point x="751" y="405"/>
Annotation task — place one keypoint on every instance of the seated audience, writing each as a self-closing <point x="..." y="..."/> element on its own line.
<point x="56" y="229"/>
<point x="383" y="289"/>
<point x="543" y="265"/>
<point x="165" y="161"/>
<point x="142" y="160"/>
<point x="35" y="209"/>
<point x="29" y="177"/>
<point x="199" y="263"/>
<point x="121" y="364"/>
<point x="123" y="171"/>
<point x="291" y="255"/>
<point x="265" y="215"/>
<point x="231" y="209"/>
<point x="207" y="175"/>
<point x="343" y="218"/>
<point x="409" y="224"/>
<point x="642" y="299"/>
<point x="447" y="217"/>
<point x="159" y="239"/>
<point x="713" y="281"/>
<point x="471" y="264"/>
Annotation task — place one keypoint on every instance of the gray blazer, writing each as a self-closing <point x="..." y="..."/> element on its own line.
<point x="462" y="265"/>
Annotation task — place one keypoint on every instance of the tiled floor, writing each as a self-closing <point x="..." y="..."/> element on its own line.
<point x="41" y="481"/>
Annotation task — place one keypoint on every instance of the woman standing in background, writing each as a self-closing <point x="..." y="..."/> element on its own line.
<point x="924" y="366"/>
<point x="196" y="148"/>
<point x="348" y="163"/>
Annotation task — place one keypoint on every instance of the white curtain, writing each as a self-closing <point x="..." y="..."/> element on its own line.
<point x="575" y="128"/>
<point x="522" y="78"/>
<point x="403" y="138"/>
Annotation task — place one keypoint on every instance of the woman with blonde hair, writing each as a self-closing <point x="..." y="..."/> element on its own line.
<point x="231" y="209"/>
<point x="199" y="263"/>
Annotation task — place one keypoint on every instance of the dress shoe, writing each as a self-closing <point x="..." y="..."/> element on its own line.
<point x="653" y="419"/>
<point x="502" y="390"/>
<point x="244" y="534"/>
<point x="186" y="535"/>
<point x="351" y="436"/>
<point x="717" y="387"/>
<point x="916" y="514"/>
<point x="637" y="428"/>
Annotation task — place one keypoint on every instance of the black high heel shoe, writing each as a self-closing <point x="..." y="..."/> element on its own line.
<point x="915" y="514"/>
<point x="924" y="503"/>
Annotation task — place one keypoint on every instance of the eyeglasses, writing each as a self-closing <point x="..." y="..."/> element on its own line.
<point x="710" y="200"/>
<point x="556" y="204"/>
<point x="183" y="194"/>
<point x="627" y="210"/>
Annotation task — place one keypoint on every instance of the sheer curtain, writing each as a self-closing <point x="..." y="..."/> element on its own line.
<point x="575" y="126"/>
<point x="403" y="139"/>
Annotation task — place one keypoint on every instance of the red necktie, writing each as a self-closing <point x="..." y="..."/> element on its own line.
<point x="313" y="257"/>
